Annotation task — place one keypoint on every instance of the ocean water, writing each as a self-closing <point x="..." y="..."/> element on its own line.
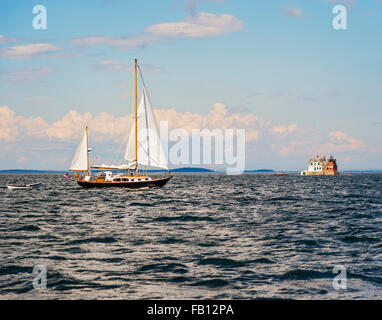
<point x="200" y="237"/>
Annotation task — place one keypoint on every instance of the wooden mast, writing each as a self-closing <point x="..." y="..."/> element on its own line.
<point x="136" y="127"/>
<point x="87" y="150"/>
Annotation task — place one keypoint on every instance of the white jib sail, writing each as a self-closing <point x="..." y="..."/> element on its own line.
<point x="150" y="151"/>
<point x="80" y="159"/>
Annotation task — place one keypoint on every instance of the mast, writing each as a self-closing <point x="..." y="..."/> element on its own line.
<point x="136" y="107"/>
<point x="87" y="150"/>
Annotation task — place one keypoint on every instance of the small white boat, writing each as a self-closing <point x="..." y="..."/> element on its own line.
<point x="26" y="186"/>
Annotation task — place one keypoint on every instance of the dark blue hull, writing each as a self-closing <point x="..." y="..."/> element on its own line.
<point x="155" y="183"/>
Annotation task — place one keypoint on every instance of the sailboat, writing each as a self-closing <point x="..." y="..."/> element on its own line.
<point x="144" y="149"/>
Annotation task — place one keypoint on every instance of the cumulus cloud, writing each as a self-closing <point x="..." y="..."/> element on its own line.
<point x="343" y="142"/>
<point x="217" y="118"/>
<point x="265" y="138"/>
<point x="303" y="142"/>
<point x="70" y="126"/>
<point x="13" y="127"/>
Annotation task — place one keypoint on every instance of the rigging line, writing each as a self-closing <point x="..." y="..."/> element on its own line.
<point x="140" y="73"/>
<point x="147" y="128"/>
<point x="144" y="86"/>
<point x="143" y="82"/>
<point x="131" y="121"/>
<point x="147" y="125"/>
<point x="118" y="155"/>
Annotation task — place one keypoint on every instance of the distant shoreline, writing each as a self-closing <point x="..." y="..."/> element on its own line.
<point x="187" y="170"/>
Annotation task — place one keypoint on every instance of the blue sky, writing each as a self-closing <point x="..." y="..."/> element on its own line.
<point x="309" y="86"/>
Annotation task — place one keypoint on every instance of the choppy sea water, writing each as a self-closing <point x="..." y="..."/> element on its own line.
<point x="200" y="237"/>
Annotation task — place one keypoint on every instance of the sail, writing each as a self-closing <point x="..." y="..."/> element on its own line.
<point x="150" y="151"/>
<point x="80" y="159"/>
<point x="129" y="166"/>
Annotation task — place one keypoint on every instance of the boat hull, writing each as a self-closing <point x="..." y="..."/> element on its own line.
<point x="27" y="186"/>
<point x="155" y="183"/>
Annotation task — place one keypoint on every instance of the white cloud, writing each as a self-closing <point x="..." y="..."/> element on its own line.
<point x="26" y="51"/>
<point x="342" y="142"/>
<point x="200" y="25"/>
<point x="70" y="126"/>
<point x="13" y="127"/>
<point x="307" y="143"/>
<point x="265" y="138"/>
<point x="217" y="118"/>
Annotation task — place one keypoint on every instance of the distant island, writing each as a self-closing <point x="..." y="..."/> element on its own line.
<point x="30" y="171"/>
<point x="260" y="171"/>
<point x="186" y="169"/>
<point x="362" y="171"/>
<point x="192" y="170"/>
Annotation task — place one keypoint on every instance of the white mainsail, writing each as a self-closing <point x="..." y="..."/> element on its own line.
<point x="150" y="151"/>
<point x="80" y="159"/>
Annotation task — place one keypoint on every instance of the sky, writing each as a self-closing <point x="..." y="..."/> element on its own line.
<point x="275" y="68"/>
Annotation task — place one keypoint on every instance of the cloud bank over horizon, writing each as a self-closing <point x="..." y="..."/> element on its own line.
<point x="264" y="140"/>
